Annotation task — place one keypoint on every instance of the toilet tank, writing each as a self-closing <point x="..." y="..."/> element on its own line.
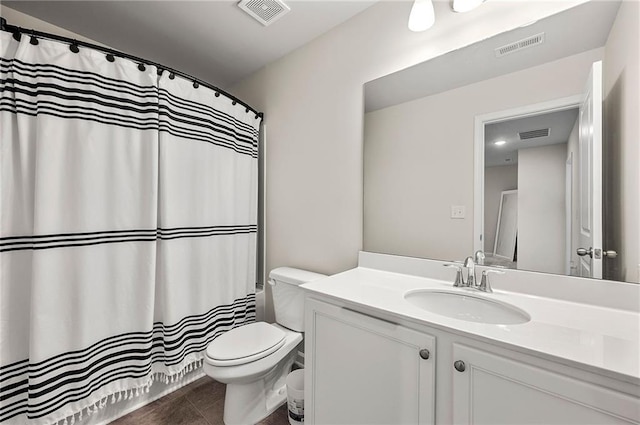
<point x="288" y="298"/>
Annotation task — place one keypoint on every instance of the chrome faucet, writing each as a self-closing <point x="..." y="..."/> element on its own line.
<point x="471" y="272"/>
<point x="470" y="265"/>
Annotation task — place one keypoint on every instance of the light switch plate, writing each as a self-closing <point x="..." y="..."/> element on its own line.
<point x="457" y="211"/>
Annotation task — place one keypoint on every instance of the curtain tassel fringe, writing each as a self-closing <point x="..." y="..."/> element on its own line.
<point x="131" y="393"/>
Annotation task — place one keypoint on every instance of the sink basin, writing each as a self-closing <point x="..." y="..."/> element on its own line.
<point x="464" y="306"/>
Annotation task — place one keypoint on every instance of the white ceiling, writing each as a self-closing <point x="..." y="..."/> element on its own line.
<point x="581" y="28"/>
<point x="212" y="40"/>
<point x="561" y="123"/>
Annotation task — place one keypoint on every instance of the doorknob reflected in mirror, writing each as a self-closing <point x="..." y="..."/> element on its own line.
<point x="598" y="253"/>
<point x="582" y="252"/>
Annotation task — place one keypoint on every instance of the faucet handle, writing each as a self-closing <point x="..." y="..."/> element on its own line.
<point x="485" y="286"/>
<point x="479" y="256"/>
<point x="459" y="281"/>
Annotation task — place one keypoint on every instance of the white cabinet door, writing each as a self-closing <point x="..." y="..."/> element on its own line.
<point x="364" y="370"/>
<point x="495" y="390"/>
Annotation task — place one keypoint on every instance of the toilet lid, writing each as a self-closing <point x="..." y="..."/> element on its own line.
<point x="245" y="343"/>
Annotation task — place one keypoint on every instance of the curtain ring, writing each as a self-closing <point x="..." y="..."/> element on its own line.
<point x="110" y="57"/>
<point x="141" y="67"/>
<point x="196" y="85"/>
<point x="234" y="103"/>
<point x="172" y="76"/>
<point x="217" y="94"/>
<point x="160" y="71"/>
<point x="17" y="36"/>
<point x="74" y="47"/>
<point x="33" y="39"/>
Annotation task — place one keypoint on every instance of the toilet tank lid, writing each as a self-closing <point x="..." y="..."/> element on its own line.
<point x="294" y="276"/>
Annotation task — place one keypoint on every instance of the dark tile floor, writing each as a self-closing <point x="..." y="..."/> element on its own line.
<point x="199" y="403"/>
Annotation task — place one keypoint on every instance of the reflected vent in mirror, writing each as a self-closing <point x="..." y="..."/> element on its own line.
<point x="264" y="11"/>
<point x="534" y="134"/>
<point x="520" y="45"/>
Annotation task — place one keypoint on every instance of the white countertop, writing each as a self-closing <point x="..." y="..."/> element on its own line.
<point x="599" y="339"/>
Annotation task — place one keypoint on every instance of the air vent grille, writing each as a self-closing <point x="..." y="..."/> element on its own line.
<point x="534" y="134"/>
<point x="264" y="11"/>
<point x="520" y="45"/>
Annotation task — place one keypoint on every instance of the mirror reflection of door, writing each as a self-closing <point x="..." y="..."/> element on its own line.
<point x="559" y="216"/>
<point x="590" y="180"/>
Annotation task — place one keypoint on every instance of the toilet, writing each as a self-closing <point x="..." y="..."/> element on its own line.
<point x="255" y="359"/>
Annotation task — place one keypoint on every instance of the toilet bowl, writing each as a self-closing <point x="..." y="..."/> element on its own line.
<point x="255" y="359"/>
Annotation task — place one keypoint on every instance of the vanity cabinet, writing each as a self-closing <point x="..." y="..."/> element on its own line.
<point x="362" y="369"/>
<point x="366" y="370"/>
<point x="492" y="389"/>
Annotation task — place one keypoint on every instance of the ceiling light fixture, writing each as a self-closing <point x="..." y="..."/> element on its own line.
<point x="422" y="16"/>
<point x="462" y="6"/>
<point x="499" y="143"/>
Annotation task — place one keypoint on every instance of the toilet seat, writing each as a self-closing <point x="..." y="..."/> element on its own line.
<point x="245" y="344"/>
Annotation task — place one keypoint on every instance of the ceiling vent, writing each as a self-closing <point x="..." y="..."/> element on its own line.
<point x="264" y="11"/>
<point x="534" y="134"/>
<point x="525" y="43"/>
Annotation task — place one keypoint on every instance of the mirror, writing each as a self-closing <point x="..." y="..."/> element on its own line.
<point x="433" y="178"/>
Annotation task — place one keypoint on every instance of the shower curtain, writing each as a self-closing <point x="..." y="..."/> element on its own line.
<point x="128" y="211"/>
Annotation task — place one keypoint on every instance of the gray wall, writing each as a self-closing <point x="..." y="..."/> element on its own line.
<point x="541" y="208"/>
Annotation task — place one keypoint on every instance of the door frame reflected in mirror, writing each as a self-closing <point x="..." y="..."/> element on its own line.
<point x="480" y="121"/>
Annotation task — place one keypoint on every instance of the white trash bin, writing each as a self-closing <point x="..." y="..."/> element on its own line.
<point x="295" y="397"/>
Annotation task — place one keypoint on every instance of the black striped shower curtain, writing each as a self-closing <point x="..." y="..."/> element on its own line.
<point x="128" y="211"/>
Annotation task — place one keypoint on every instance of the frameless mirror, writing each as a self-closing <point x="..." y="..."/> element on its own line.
<point x="436" y="171"/>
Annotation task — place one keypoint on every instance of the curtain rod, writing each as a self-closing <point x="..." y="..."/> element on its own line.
<point x="4" y="26"/>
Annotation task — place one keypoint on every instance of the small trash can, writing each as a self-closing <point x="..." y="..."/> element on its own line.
<point x="295" y="397"/>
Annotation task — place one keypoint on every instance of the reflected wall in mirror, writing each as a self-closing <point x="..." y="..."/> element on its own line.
<point x="421" y="126"/>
